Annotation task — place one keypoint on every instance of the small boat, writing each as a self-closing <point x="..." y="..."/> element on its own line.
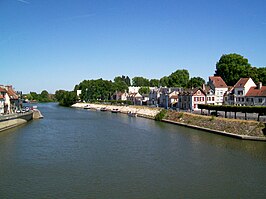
<point x="115" y="110"/>
<point x="87" y="107"/>
<point x="103" y="109"/>
<point x="130" y="114"/>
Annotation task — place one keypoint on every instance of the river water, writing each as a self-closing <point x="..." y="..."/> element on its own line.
<point x="76" y="153"/>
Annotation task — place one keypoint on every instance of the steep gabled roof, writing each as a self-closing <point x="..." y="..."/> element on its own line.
<point x="255" y="92"/>
<point x="3" y="90"/>
<point x="12" y="94"/>
<point x="241" y="83"/>
<point x="218" y="82"/>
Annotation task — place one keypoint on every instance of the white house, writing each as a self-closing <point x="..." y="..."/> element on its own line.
<point x="237" y="95"/>
<point x="256" y="96"/>
<point x="219" y="87"/>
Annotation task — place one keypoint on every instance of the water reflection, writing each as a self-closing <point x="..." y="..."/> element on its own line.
<point x="76" y="153"/>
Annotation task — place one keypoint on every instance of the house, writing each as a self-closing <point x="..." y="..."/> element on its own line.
<point x="173" y="99"/>
<point x="154" y="96"/>
<point x="3" y="92"/>
<point x="237" y="94"/>
<point x="120" y="95"/>
<point x="210" y="94"/>
<point x="256" y="96"/>
<point x="165" y="94"/>
<point x="15" y="102"/>
<point x="219" y="87"/>
<point x="190" y="99"/>
<point x="135" y="98"/>
<point x="133" y="89"/>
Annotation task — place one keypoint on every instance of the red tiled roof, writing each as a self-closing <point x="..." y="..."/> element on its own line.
<point x="241" y="83"/>
<point x="12" y="94"/>
<point x="2" y="90"/>
<point x="255" y="92"/>
<point x="218" y="82"/>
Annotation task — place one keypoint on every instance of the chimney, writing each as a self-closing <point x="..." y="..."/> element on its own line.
<point x="259" y="85"/>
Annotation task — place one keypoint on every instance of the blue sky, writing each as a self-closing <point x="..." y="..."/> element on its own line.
<point x="56" y="44"/>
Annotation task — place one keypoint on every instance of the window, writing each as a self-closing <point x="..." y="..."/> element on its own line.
<point x="240" y="92"/>
<point x="260" y="100"/>
<point x="212" y="98"/>
<point x="195" y="99"/>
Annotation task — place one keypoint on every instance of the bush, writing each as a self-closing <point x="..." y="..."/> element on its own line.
<point x="160" y="115"/>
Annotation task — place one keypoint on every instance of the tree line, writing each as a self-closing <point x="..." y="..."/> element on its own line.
<point x="230" y="67"/>
<point x="44" y="96"/>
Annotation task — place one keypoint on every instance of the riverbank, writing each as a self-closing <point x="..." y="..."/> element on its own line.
<point x="141" y="111"/>
<point x="14" y="120"/>
<point x="242" y="129"/>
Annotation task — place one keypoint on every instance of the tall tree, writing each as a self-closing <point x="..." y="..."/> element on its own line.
<point x="179" y="78"/>
<point x="164" y="81"/>
<point x="140" y="81"/>
<point x="232" y="67"/>
<point x="195" y="82"/>
<point x="262" y="75"/>
<point x="154" y="83"/>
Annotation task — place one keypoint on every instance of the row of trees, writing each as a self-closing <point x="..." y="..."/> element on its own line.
<point x="44" y="96"/>
<point x="179" y="78"/>
<point x="100" y="89"/>
<point x="230" y="67"/>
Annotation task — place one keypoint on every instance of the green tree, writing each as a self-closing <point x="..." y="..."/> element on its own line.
<point x="144" y="90"/>
<point x="123" y="78"/>
<point x="154" y="83"/>
<point x="140" y="81"/>
<point x="44" y="94"/>
<point x="59" y="94"/>
<point x="232" y="67"/>
<point x="195" y="82"/>
<point x="34" y="96"/>
<point x="164" y="81"/>
<point x="262" y="75"/>
<point x="179" y="78"/>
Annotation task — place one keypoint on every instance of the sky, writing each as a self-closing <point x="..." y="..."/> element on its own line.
<point x="51" y="45"/>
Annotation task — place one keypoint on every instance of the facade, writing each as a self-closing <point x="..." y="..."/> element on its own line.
<point x="190" y="99"/>
<point x="210" y="95"/>
<point x="2" y="100"/>
<point x="120" y="96"/>
<point x="154" y="96"/>
<point x="237" y="95"/>
<point x="256" y="96"/>
<point x="217" y="84"/>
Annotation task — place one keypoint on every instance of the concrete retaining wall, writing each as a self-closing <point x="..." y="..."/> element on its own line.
<point x="10" y="121"/>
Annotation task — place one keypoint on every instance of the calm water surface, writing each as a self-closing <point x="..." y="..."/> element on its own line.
<point x="74" y="153"/>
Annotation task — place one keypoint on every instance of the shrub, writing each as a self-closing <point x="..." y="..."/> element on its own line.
<point x="160" y="115"/>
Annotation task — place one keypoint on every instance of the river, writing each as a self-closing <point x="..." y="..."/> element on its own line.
<point x="76" y="153"/>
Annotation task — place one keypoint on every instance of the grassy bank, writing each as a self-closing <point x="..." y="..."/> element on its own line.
<point x="239" y="127"/>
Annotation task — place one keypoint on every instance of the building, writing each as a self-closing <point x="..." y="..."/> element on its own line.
<point x="190" y="99"/>
<point x="219" y="87"/>
<point x="237" y="95"/>
<point x="256" y="96"/>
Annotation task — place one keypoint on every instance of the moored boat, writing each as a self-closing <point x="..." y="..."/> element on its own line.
<point x="103" y="109"/>
<point x="115" y="110"/>
<point x="87" y="107"/>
